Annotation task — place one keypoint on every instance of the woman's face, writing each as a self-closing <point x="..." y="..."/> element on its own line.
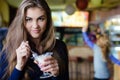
<point x="35" y="21"/>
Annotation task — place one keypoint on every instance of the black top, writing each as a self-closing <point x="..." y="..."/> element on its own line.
<point x="35" y="73"/>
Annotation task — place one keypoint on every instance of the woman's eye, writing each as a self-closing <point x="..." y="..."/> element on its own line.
<point x="41" y="19"/>
<point x="28" y="20"/>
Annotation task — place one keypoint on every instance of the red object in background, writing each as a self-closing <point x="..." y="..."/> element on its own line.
<point x="81" y="4"/>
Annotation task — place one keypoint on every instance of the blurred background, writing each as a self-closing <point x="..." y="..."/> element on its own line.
<point x="101" y="16"/>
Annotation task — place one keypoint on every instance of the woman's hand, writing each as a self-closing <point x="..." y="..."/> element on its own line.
<point x="23" y="52"/>
<point x="84" y="29"/>
<point x="50" y="65"/>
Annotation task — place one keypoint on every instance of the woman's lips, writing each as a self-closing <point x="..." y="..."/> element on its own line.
<point x="35" y="31"/>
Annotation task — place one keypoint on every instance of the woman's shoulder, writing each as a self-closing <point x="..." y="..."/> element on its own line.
<point x="60" y="43"/>
<point x="61" y="48"/>
<point x="3" y="55"/>
<point x="96" y="46"/>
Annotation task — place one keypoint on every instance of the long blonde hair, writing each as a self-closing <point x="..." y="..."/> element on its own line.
<point x="17" y="32"/>
<point x="104" y="43"/>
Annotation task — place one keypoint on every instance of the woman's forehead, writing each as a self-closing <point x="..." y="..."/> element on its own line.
<point x="35" y="11"/>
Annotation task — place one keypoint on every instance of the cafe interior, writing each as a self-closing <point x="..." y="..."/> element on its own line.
<point x="69" y="16"/>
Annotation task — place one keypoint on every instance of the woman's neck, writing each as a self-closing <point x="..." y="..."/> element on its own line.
<point x="36" y="41"/>
<point x="37" y="45"/>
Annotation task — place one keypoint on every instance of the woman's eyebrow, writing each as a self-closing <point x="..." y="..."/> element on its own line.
<point x="38" y="17"/>
<point x="28" y="17"/>
<point x="42" y="16"/>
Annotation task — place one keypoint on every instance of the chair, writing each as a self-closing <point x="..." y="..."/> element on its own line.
<point x="80" y="60"/>
<point x="90" y="67"/>
<point x="74" y="67"/>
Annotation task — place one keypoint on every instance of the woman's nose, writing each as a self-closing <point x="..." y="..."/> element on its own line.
<point x="35" y="24"/>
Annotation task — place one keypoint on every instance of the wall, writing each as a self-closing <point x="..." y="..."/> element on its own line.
<point x="4" y="11"/>
<point x="99" y="16"/>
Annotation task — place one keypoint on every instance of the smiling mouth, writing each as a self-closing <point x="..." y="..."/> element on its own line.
<point x="35" y="31"/>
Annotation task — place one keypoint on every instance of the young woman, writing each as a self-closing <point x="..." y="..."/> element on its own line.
<point x="101" y="49"/>
<point x="32" y="31"/>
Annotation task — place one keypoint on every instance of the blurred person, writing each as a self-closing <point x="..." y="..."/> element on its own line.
<point x="103" y="67"/>
<point x="32" y="31"/>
